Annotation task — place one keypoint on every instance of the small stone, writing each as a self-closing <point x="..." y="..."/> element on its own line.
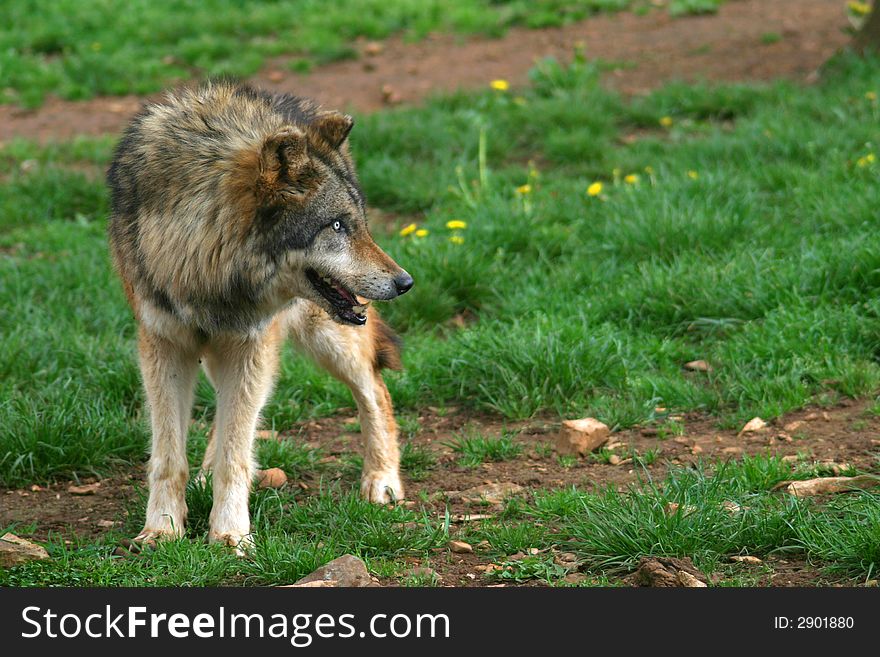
<point x="744" y="558"/>
<point x="275" y="76"/>
<point x="614" y="459"/>
<point x="85" y="489"/>
<point x="755" y="425"/>
<point x="390" y="95"/>
<point x="575" y="578"/>
<point x="790" y="458"/>
<point x="15" y="551"/>
<point x="460" y="547"/>
<point x="732" y="450"/>
<point x="373" y="48"/>
<point x="580" y="437"/>
<point x="106" y="523"/>
<point x="491" y="493"/>
<point x="271" y="478"/>
<point x="791" y="427"/>
<point x="696" y="449"/>
<point x="347" y="570"/>
<point x="267" y="434"/>
<point x="698" y="366"/>
<point x="423" y="572"/>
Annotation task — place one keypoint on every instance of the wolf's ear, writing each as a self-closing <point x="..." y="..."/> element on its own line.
<point x="285" y="166"/>
<point x="283" y="154"/>
<point x="332" y="127"/>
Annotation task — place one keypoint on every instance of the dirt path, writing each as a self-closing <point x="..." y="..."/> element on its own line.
<point x="746" y="40"/>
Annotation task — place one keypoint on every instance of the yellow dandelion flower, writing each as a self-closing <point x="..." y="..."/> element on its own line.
<point x="595" y="189"/>
<point x="693" y="175"/>
<point x="631" y="179"/>
<point x="407" y="230"/>
<point x="862" y="162"/>
<point x="649" y="170"/>
<point x="524" y="189"/>
<point x="859" y="8"/>
<point x="421" y="232"/>
<point x="666" y="121"/>
<point x="456" y="224"/>
<point x="870" y="157"/>
<point x="456" y="239"/>
<point x="871" y="95"/>
<point x="500" y="85"/>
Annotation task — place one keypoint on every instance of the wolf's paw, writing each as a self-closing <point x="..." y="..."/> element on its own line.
<point x="381" y="487"/>
<point x="241" y="544"/>
<point x="149" y="537"/>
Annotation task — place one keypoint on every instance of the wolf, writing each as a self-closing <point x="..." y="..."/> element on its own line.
<point x="237" y="220"/>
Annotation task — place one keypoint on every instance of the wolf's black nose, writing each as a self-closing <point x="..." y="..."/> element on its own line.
<point x="403" y="282"/>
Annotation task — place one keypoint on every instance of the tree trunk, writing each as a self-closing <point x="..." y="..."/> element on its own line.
<point x="868" y="37"/>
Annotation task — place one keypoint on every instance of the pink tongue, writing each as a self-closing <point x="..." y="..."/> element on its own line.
<point x="345" y="294"/>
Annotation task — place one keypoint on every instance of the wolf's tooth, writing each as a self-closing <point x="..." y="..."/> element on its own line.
<point x="327" y="279"/>
<point x="359" y="309"/>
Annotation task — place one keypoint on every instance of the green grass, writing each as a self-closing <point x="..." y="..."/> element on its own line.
<point x="109" y="47"/>
<point x="474" y="450"/>
<point x="766" y="265"/>
<point x="723" y="510"/>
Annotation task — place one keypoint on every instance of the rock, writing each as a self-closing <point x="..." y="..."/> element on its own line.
<point x="580" y="437"/>
<point x="85" y="489"/>
<point x="320" y="583"/>
<point x="491" y="493"/>
<point x="460" y="547"/>
<point x="105" y="523"/>
<point x="271" y="478"/>
<point x="347" y="570"/>
<point x="15" y="551"/>
<point x="731" y="507"/>
<point x="755" y="425"/>
<point x="373" y="48"/>
<point x="791" y="427"/>
<point x="275" y="76"/>
<point x="575" y="578"/>
<point x="698" y="366"/>
<point x="732" y="450"/>
<point x="790" y="458"/>
<point x="830" y="485"/>
<point x="567" y="560"/>
<point x="669" y="571"/>
<point x="746" y="559"/>
<point x="614" y="459"/>
<point x="423" y="572"/>
<point x="267" y="434"/>
<point x="672" y="508"/>
<point x="390" y="95"/>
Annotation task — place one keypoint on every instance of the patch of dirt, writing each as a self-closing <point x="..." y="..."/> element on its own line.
<point x="745" y="40"/>
<point x="77" y="518"/>
<point x="845" y="434"/>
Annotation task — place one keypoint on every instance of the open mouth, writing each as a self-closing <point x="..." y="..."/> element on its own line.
<point x="340" y="298"/>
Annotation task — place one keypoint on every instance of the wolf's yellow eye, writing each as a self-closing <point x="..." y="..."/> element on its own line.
<point x="337" y="226"/>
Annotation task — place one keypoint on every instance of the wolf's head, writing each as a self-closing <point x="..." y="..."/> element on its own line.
<point x="311" y="221"/>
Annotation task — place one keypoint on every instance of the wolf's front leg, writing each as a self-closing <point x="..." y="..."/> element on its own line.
<point x="169" y="372"/>
<point x="356" y="356"/>
<point x="242" y="369"/>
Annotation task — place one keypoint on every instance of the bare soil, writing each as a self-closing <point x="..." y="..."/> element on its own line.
<point x="845" y="434"/>
<point x="745" y="40"/>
